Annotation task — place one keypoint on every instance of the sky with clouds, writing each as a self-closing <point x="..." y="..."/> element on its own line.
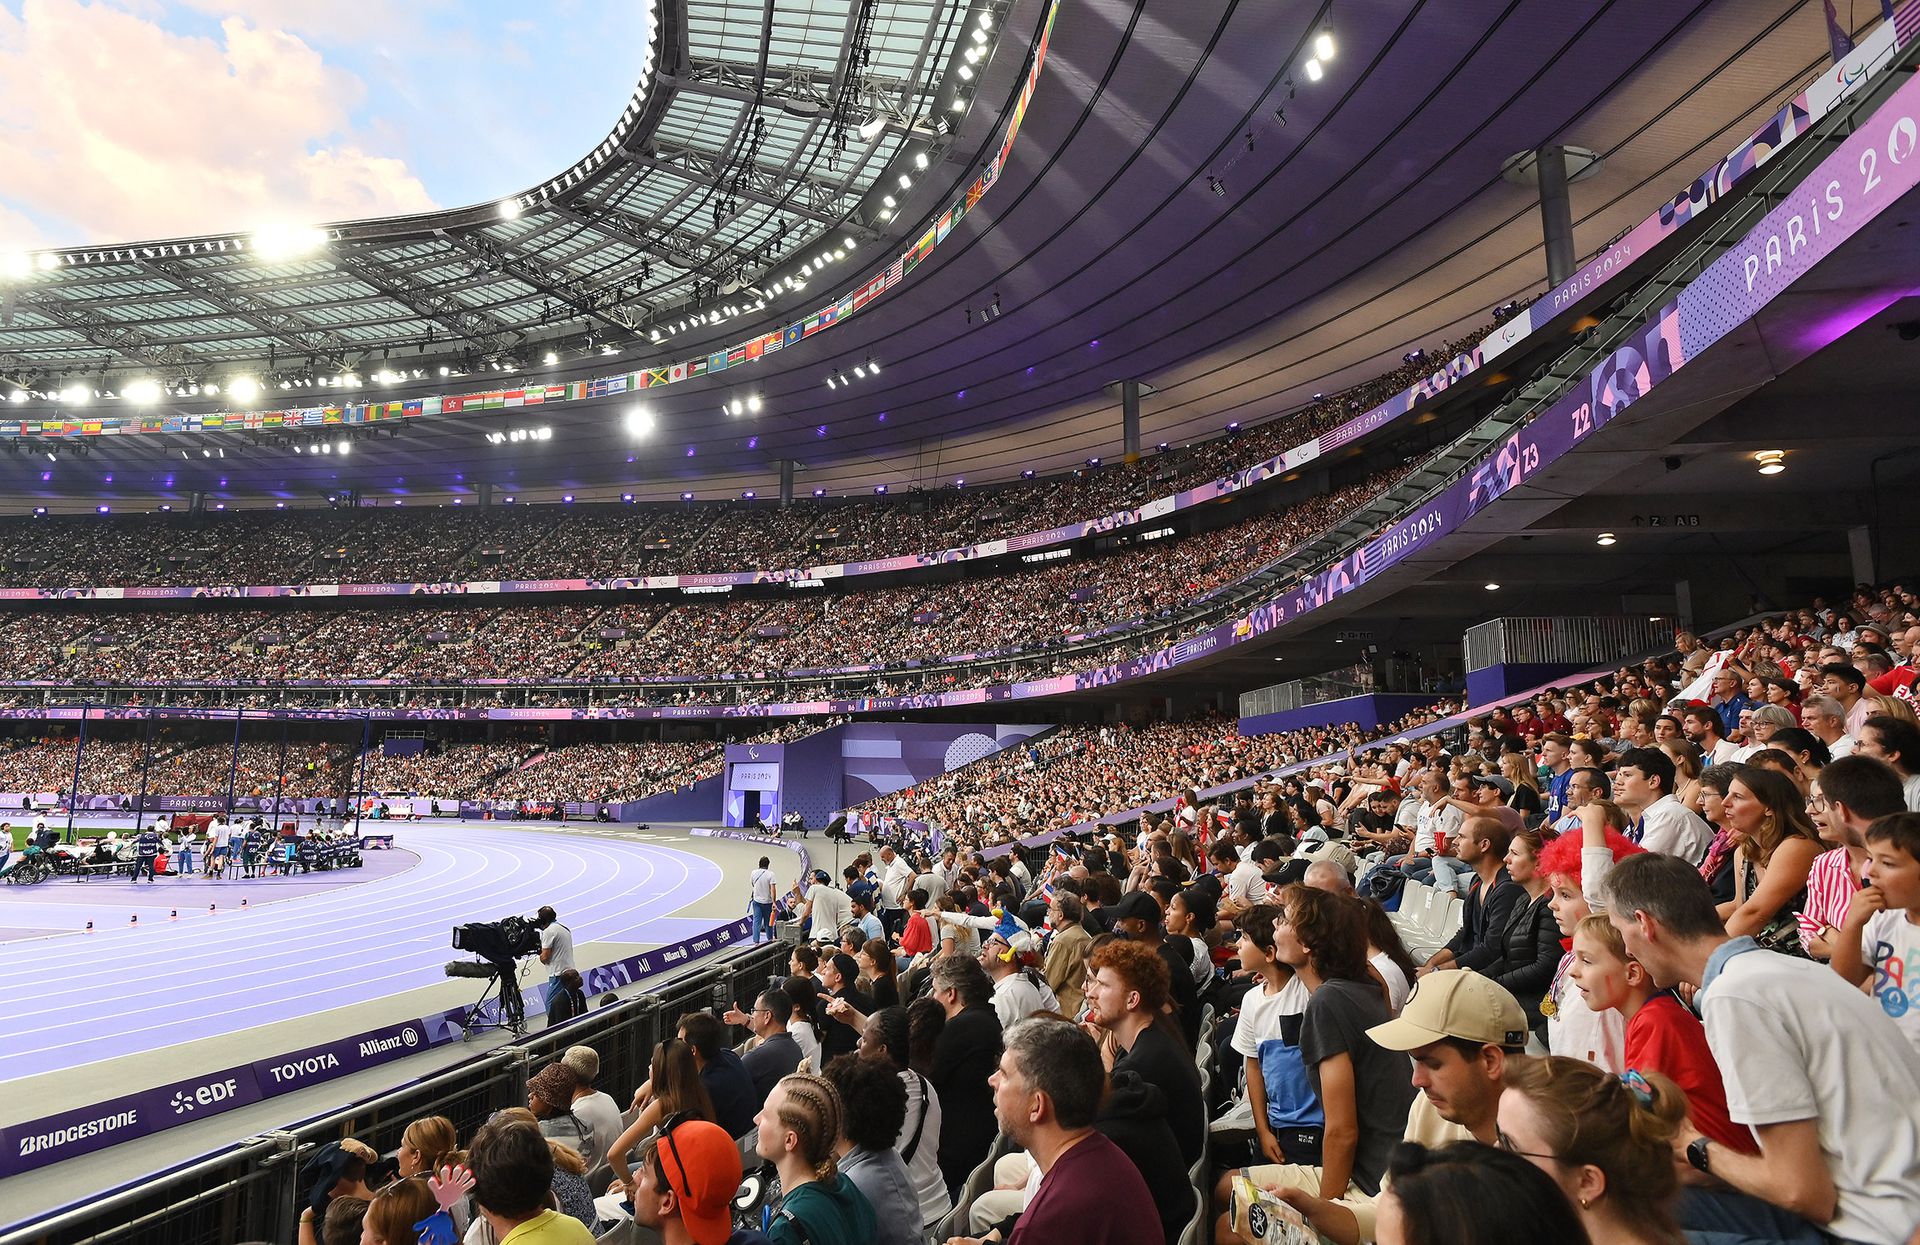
<point x="123" y="120"/>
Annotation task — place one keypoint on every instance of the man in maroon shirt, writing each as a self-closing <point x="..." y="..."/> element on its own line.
<point x="1045" y="1096"/>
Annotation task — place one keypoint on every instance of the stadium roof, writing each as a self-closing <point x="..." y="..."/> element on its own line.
<point x="755" y="129"/>
<point x="1184" y="206"/>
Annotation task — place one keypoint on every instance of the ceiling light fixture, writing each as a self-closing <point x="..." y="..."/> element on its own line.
<point x="1314" y="72"/>
<point x="1772" y="462"/>
<point x="1606" y="539"/>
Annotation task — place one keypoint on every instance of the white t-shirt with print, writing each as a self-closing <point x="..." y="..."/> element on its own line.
<point x="1890" y="944"/>
<point x="1261" y="1013"/>
<point x="1795" y="1042"/>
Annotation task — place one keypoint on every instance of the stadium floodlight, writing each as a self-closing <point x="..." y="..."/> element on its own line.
<point x="15" y="265"/>
<point x="141" y="392"/>
<point x="510" y="209"/>
<point x="966" y="73"/>
<point x="343" y="446"/>
<point x="1323" y="44"/>
<point x="753" y="404"/>
<point x="1314" y="72"/>
<point x="75" y="395"/>
<point x="18" y="395"/>
<point x="284" y="242"/>
<point x="639" y="422"/>
<point x="920" y="160"/>
<point x="871" y="127"/>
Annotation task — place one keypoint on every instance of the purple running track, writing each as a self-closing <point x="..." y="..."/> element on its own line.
<point x="122" y="991"/>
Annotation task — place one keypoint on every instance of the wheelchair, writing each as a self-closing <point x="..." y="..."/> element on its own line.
<point x="33" y="866"/>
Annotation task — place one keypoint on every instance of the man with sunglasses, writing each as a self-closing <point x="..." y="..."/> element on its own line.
<point x="683" y="1188"/>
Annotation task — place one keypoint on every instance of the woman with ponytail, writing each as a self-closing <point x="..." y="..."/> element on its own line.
<point x="1606" y="1140"/>
<point x="799" y="1129"/>
<point x="427" y="1145"/>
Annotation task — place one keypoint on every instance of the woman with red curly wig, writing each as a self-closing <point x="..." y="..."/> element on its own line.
<point x="1576" y="866"/>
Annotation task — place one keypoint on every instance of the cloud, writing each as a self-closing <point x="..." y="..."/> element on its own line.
<point x="115" y="129"/>
<point x="332" y="21"/>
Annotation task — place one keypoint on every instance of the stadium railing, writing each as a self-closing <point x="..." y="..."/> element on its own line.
<point x="251" y="1191"/>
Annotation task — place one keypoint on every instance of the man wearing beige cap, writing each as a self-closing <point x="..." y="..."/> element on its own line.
<point x="1459" y="1028"/>
<point x="594" y="1107"/>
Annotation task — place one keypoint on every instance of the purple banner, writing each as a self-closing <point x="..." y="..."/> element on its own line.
<point x="69" y="1134"/>
<point x="286" y="1073"/>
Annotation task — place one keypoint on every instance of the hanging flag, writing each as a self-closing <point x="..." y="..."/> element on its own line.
<point x="1838" y="41"/>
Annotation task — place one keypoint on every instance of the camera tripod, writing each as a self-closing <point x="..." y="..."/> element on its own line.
<point x="508" y="1010"/>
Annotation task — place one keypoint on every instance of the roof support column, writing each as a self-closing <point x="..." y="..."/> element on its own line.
<point x="1551" y="170"/>
<point x="786" y="483"/>
<point x="1130" y="419"/>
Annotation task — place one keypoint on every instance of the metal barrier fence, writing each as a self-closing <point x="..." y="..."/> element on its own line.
<point x="1312" y="690"/>
<point x="252" y="1192"/>
<point x="1589" y="641"/>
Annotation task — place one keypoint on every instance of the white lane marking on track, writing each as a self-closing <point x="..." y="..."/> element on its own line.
<point x="328" y="911"/>
<point x="407" y="925"/>
<point x="585" y="906"/>
<point x="112" y="1048"/>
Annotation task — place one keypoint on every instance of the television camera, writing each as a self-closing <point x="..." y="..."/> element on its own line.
<point x="500" y="945"/>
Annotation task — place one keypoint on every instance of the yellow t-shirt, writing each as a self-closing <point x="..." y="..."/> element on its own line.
<point x="550" y="1227"/>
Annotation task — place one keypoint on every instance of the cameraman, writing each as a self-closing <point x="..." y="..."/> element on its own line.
<point x="556" y="949"/>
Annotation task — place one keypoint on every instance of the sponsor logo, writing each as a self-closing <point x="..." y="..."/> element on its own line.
<point x="295" y="1069"/>
<point x="38" y="1143"/>
<point x="410" y="1036"/>
<point x="379" y="1046"/>
<point x="185" y="1102"/>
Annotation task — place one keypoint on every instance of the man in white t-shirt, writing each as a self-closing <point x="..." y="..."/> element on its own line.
<point x="828" y="909"/>
<point x="896" y="879"/>
<point x="1816" y="1069"/>
<point x="1826" y="720"/>
<point x="556" y="948"/>
<point x="762" y="885"/>
<point x="1018" y="992"/>
<point x="1238" y="878"/>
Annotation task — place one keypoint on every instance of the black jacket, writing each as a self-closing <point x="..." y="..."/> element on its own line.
<point x="965" y="1055"/>
<point x="1477" y="942"/>
<point x="1530" y="954"/>
<point x="1134" y="1117"/>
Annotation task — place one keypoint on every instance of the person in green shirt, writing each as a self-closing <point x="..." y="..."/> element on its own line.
<point x="799" y="1131"/>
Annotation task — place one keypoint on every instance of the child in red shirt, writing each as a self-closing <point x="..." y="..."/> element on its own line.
<point x="1662" y="1034"/>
